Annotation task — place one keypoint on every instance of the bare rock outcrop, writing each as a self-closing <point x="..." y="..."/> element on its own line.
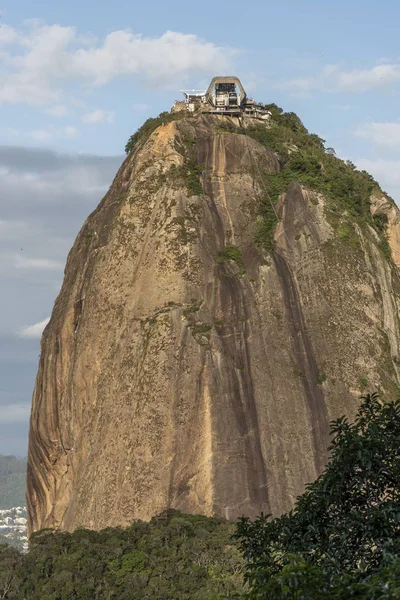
<point x="380" y="204"/>
<point x="175" y="374"/>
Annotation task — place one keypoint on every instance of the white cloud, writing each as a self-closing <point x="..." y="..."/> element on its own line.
<point x="386" y="172"/>
<point x="70" y="132"/>
<point x="25" y="88"/>
<point x="362" y="80"/>
<point x="27" y="73"/>
<point x="384" y="134"/>
<point x="45" y="135"/>
<point x="40" y="57"/>
<point x="59" y="110"/>
<point x="33" y="331"/>
<point x="36" y="178"/>
<point x="8" y="35"/>
<point x="41" y="135"/>
<point x="140" y="107"/>
<point x="98" y="116"/>
<point x="9" y="230"/>
<point x="331" y="78"/>
<point x="340" y="107"/>
<point x="14" y="413"/>
<point x="45" y="264"/>
<point x="9" y="132"/>
<point x="124" y="53"/>
<point x="45" y="198"/>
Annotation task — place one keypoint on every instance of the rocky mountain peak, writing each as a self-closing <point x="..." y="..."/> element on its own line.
<point x="233" y="292"/>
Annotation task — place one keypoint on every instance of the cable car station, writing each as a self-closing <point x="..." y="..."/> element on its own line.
<point x="224" y="96"/>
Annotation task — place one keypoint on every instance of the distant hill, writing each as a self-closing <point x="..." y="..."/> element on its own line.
<point x="12" y="481"/>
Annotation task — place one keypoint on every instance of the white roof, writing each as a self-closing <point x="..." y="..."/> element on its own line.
<point x="193" y="92"/>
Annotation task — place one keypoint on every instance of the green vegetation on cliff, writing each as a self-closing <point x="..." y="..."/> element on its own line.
<point x="305" y="160"/>
<point x="229" y="253"/>
<point x="188" y="173"/>
<point x="12" y="481"/>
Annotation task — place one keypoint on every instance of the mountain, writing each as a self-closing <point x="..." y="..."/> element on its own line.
<point x="234" y="291"/>
<point x="12" y="482"/>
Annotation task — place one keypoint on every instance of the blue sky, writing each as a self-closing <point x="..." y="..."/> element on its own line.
<point x="282" y="51"/>
<point x="77" y="78"/>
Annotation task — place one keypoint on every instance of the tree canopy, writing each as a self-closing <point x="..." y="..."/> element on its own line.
<point x="173" y="557"/>
<point x="342" y="539"/>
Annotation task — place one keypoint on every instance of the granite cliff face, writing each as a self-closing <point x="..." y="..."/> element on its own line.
<point x="183" y="365"/>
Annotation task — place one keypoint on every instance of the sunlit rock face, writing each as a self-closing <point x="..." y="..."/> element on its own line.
<point x="174" y="373"/>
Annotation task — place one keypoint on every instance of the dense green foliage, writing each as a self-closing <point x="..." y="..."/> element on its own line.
<point x="12" y="481"/>
<point x="342" y="540"/>
<point x="145" y="131"/>
<point x="228" y="253"/>
<point x="175" y="556"/>
<point x="305" y="160"/>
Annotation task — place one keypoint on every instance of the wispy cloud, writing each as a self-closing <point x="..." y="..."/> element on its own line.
<point x="41" y="135"/>
<point x="341" y="107"/>
<point x="9" y="132"/>
<point x="70" y="131"/>
<point x="8" y="35"/>
<point x="43" y="264"/>
<point x="361" y="80"/>
<point x="14" y="413"/>
<point x="387" y="172"/>
<point x="140" y="107"/>
<point x="59" y="110"/>
<point x="384" y="134"/>
<point x="12" y="229"/>
<point x="332" y="78"/>
<point x="51" y="133"/>
<point x="33" y="331"/>
<point x="98" y="116"/>
<point x="37" y="58"/>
